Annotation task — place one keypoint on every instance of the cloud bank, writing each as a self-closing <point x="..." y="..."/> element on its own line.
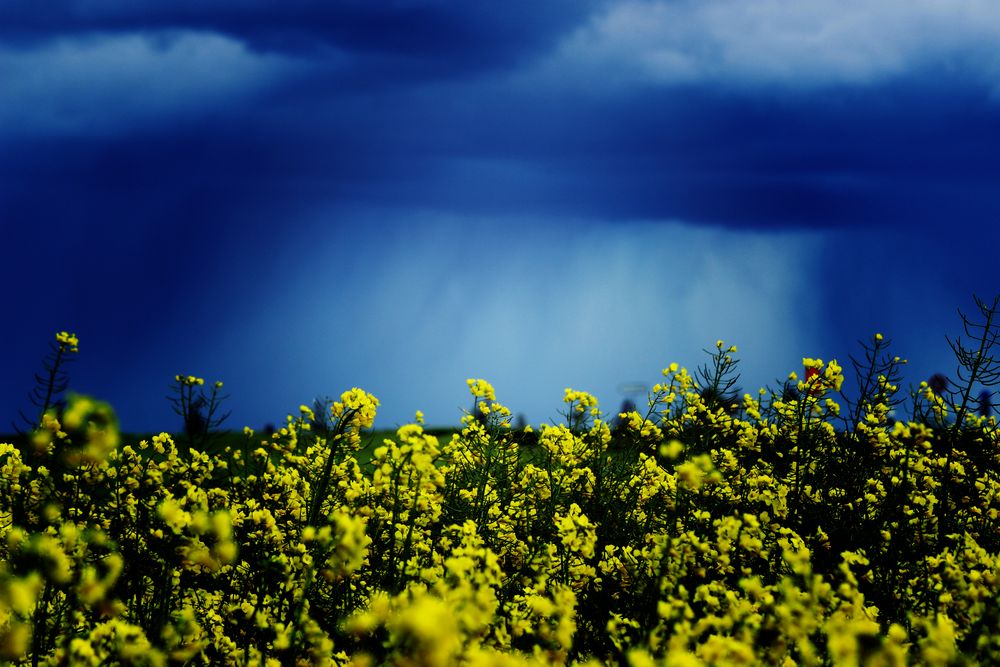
<point x="108" y="85"/>
<point x="783" y="43"/>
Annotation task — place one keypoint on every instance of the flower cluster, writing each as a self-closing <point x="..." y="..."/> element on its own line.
<point x="68" y="342"/>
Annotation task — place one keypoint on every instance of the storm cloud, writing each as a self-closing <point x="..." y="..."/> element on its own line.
<point x="219" y="186"/>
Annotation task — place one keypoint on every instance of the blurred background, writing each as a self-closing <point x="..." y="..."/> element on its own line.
<point x="300" y="198"/>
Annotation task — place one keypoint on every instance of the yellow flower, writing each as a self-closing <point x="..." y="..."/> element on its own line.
<point x="359" y="405"/>
<point x="583" y="400"/>
<point x="22" y="593"/>
<point x="68" y="342"/>
<point x="671" y="450"/>
<point x="481" y="389"/>
<point x="428" y="629"/>
<point x="15" y="640"/>
<point x="174" y="515"/>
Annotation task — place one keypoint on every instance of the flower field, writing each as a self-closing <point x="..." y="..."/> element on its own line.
<point x="799" y="526"/>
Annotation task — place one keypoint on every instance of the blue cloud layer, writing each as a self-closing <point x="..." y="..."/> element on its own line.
<point x="173" y="173"/>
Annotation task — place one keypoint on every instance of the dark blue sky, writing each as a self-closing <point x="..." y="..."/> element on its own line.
<point x="300" y="197"/>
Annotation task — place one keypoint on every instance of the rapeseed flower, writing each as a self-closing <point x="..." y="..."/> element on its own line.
<point x="694" y="533"/>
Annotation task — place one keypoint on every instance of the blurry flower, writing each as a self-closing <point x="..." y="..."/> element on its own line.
<point x="68" y="342"/>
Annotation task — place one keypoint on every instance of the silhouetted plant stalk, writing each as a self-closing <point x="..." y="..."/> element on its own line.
<point x="332" y="442"/>
<point x="53" y="381"/>
<point x="199" y="411"/>
<point x="977" y="367"/>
